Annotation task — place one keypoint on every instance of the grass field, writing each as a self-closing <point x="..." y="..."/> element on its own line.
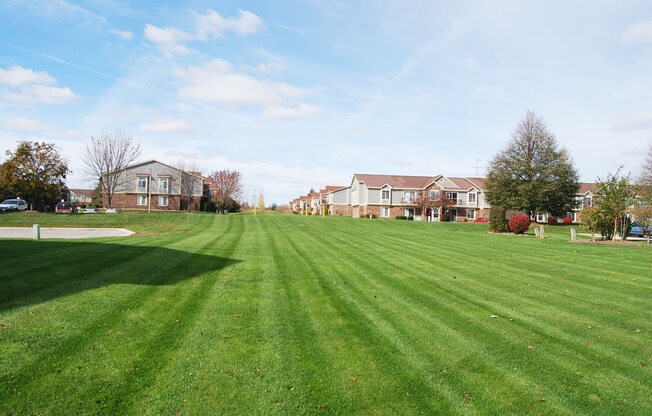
<point x="279" y="314"/>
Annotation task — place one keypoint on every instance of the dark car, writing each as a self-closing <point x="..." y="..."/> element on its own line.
<point x="64" y="208"/>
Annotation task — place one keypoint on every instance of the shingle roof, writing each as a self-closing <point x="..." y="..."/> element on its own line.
<point x="395" y="181"/>
<point x="586" y="187"/>
<point x="477" y="182"/>
<point x="87" y="192"/>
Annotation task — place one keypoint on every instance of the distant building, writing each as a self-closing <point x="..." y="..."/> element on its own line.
<point x="158" y="186"/>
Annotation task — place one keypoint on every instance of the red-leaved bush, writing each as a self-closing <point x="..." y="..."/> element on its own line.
<point x="567" y="220"/>
<point x="519" y="224"/>
<point x="552" y="220"/>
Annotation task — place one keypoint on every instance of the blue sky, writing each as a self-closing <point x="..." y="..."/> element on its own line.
<point x="306" y="93"/>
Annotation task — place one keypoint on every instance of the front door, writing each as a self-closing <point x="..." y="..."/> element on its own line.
<point x="453" y="215"/>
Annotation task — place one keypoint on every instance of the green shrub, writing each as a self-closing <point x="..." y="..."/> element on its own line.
<point x="401" y="217"/>
<point x="497" y="221"/>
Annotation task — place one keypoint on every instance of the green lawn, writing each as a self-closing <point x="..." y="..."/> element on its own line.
<point x="279" y="314"/>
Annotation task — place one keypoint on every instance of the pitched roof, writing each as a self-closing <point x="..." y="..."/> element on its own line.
<point x="586" y="187"/>
<point x="87" y="192"/>
<point x="461" y="183"/>
<point x="477" y="182"/>
<point x="330" y="188"/>
<point x="395" y="181"/>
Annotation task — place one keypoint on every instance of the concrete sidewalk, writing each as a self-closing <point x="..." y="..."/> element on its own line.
<point x="26" y="232"/>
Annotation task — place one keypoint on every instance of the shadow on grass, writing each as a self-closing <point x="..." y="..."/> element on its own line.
<point x="32" y="272"/>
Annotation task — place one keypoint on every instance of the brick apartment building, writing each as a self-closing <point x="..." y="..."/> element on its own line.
<point x="158" y="186"/>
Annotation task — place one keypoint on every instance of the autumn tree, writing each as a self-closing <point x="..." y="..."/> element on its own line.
<point x="106" y="155"/>
<point x="614" y="196"/>
<point x="35" y="172"/>
<point x="225" y="185"/>
<point x="261" y="202"/>
<point x="532" y="173"/>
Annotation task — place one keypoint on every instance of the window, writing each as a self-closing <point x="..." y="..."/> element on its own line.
<point x="472" y="197"/>
<point x="586" y="202"/>
<point x="384" y="212"/>
<point x="540" y="217"/>
<point x="571" y="215"/>
<point x="470" y="214"/>
<point x="408" y="197"/>
<point x="435" y="213"/>
<point x="452" y="195"/>
<point x="142" y="200"/>
<point x="142" y="184"/>
<point x="385" y="194"/>
<point x="163" y="184"/>
<point x="433" y="195"/>
<point x="162" y="201"/>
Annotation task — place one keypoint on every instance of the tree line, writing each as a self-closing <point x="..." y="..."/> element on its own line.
<point x="37" y="172"/>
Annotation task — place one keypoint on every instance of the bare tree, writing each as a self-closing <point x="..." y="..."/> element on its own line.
<point x="225" y="185"/>
<point x="647" y="168"/>
<point x="188" y="180"/>
<point x="106" y="155"/>
<point x="423" y="202"/>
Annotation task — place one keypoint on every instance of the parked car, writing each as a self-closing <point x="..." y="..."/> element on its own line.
<point x="90" y="210"/>
<point x="113" y="210"/>
<point x="65" y="208"/>
<point x="13" y="205"/>
<point x="637" y="230"/>
<point x="482" y="219"/>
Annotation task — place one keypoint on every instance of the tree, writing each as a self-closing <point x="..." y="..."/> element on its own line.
<point x="532" y="173"/>
<point x="614" y="196"/>
<point x="35" y="172"/>
<point x="646" y="174"/>
<point x="590" y="218"/>
<point x="225" y="184"/>
<point x="498" y="219"/>
<point x="261" y="202"/>
<point x="109" y="153"/>
<point x="188" y="181"/>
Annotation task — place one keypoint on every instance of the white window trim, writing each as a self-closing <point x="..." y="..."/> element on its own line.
<point x="138" y="187"/>
<point x="144" y="199"/>
<point x="159" y="201"/>
<point x="381" y="212"/>
<point x="475" y="197"/>
<point x="470" y="211"/>
<point x="167" y="184"/>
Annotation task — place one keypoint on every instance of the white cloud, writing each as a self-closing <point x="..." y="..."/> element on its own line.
<point x="207" y="26"/>
<point x="218" y="82"/>
<point x="302" y="110"/>
<point x="168" y="39"/>
<point x="17" y="75"/>
<point x="636" y="122"/>
<point x="124" y="34"/>
<point x="41" y="94"/>
<point x="26" y="124"/>
<point x="166" y="125"/>
<point x="639" y="32"/>
<point x="212" y="25"/>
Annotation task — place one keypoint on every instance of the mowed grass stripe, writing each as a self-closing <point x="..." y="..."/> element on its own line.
<point x="376" y="247"/>
<point x="386" y="349"/>
<point x="401" y="333"/>
<point x="305" y="303"/>
<point x="94" y="335"/>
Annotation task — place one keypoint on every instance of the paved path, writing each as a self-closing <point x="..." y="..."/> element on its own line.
<point x="26" y="232"/>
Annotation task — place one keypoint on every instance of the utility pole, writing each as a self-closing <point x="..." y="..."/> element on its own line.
<point x="149" y="191"/>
